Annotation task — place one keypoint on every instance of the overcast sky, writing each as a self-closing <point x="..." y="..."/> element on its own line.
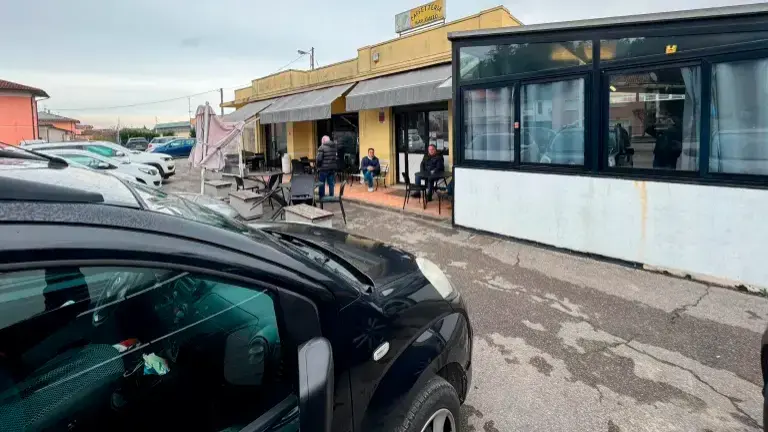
<point x="92" y="54"/>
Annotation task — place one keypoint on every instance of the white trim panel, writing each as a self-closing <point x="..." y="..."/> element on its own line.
<point x="704" y="230"/>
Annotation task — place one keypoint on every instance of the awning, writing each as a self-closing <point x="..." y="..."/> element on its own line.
<point x="311" y="105"/>
<point x="248" y="111"/>
<point x="418" y="86"/>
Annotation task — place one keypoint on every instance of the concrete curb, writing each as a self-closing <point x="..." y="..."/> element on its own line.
<point x="396" y="210"/>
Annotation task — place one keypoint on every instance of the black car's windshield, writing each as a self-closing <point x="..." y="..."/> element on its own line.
<point x="325" y="259"/>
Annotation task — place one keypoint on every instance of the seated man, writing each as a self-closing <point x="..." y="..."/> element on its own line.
<point x="432" y="163"/>
<point x="370" y="168"/>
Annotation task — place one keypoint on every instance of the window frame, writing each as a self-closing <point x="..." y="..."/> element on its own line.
<point x="606" y="73"/>
<point x="596" y="114"/>
<point x="285" y="301"/>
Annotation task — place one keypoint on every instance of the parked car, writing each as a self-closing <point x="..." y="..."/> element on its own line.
<point x="156" y="141"/>
<point x="181" y="147"/>
<point x="143" y="174"/>
<point x="126" y="311"/>
<point x="164" y="163"/>
<point x="137" y="143"/>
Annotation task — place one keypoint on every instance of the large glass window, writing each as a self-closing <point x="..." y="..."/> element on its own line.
<point x="618" y="49"/>
<point x="654" y="119"/>
<point x="497" y="60"/>
<point x="489" y="124"/>
<point x="103" y="348"/>
<point x="552" y="123"/>
<point x="739" y="122"/>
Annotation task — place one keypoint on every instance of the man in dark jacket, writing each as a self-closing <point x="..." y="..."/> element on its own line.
<point x="370" y="167"/>
<point x="432" y="163"/>
<point x="327" y="163"/>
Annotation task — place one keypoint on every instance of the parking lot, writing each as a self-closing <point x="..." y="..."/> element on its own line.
<point x="564" y="342"/>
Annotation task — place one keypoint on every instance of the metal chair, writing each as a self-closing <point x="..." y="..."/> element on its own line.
<point x="240" y="184"/>
<point x="410" y="187"/>
<point x="302" y="188"/>
<point x="444" y="193"/>
<point x="384" y="166"/>
<point x="336" y="199"/>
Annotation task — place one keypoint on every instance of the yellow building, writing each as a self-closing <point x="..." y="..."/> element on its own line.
<point x="394" y="97"/>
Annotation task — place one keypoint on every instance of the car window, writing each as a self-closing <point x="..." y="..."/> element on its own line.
<point x="129" y="348"/>
<point x="82" y="159"/>
<point x="102" y="150"/>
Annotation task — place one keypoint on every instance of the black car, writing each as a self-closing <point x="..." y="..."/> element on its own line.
<point x="125" y="308"/>
<point x="137" y="143"/>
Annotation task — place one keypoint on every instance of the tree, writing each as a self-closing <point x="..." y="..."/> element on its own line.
<point x="192" y="133"/>
<point x="167" y="134"/>
<point x="132" y="133"/>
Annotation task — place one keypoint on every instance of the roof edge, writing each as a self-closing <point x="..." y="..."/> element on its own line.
<point x="649" y="18"/>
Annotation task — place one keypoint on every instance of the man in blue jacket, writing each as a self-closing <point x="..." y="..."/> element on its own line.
<point x="370" y="168"/>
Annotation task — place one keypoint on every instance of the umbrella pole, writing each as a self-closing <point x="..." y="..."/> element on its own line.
<point x="206" y="126"/>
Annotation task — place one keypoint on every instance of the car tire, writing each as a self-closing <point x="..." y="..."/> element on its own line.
<point x="429" y="403"/>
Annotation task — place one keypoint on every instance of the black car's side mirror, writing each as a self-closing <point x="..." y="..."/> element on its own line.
<point x="316" y="385"/>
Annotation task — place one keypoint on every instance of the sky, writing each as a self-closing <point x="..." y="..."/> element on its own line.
<point x="91" y="56"/>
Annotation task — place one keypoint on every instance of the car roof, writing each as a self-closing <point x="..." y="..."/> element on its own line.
<point x="39" y="172"/>
<point x="77" y="152"/>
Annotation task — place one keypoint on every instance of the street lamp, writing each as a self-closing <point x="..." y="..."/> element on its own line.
<point x="311" y="53"/>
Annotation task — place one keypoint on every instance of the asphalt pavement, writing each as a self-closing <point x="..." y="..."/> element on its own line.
<point x="569" y="343"/>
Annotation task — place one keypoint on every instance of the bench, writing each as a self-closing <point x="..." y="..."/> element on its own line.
<point x="217" y="188"/>
<point x="243" y="201"/>
<point x="307" y="214"/>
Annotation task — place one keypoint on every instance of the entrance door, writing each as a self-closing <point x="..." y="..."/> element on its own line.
<point x="411" y="142"/>
<point x="269" y="145"/>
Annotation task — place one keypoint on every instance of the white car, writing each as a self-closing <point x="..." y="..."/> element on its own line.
<point x="140" y="173"/>
<point x="164" y="163"/>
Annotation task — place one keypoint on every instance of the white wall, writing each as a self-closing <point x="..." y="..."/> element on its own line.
<point x="716" y="231"/>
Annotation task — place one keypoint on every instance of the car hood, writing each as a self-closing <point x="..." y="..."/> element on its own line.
<point x="383" y="264"/>
<point x="147" y="157"/>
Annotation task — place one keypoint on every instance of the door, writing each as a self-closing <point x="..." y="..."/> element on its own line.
<point x="102" y="346"/>
<point x="411" y="142"/>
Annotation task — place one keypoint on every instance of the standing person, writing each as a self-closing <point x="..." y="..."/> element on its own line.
<point x="432" y="163"/>
<point x="327" y="164"/>
<point x="370" y="167"/>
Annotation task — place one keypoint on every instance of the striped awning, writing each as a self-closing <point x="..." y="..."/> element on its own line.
<point x="309" y="105"/>
<point x="248" y="111"/>
<point x="412" y="87"/>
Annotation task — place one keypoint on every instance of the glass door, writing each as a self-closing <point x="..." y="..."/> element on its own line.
<point x="411" y="140"/>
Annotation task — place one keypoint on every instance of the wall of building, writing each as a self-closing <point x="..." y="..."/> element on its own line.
<point x="17" y="118"/>
<point x="702" y="230"/>
<point x="416" y="50"/>
<point x="301" y="139"/>
<point x="67" y="126"/>
<point x="379" y="136"/>
<point x="52" y="134"/>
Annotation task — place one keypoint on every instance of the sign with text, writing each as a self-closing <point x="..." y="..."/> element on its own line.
<point x="425" y="14"/>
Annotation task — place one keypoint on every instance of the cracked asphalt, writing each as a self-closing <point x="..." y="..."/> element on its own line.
<point x="568" y="343"/>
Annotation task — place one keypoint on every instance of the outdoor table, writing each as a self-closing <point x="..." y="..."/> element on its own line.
<point x="261" y="176"/>
<point x="304" y="213"/>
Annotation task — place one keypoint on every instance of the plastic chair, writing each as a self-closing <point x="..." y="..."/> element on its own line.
<point x="336" y="199"/>
<point x="444" y="193"/>
<point x="410" y="187"/>
<point x="384" y="170"/>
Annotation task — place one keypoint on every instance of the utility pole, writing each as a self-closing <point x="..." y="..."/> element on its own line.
<point x="189" y="107"/>
<point x="312" y="58"/>
<point x="221" y="93"/>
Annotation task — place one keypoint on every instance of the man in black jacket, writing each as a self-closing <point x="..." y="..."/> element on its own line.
<point x="327" y="163"/>
<point x="432" y="163"/>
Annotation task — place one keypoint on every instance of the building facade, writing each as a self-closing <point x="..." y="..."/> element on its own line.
<point x="179" y="129"/>
<point x="54" y="127"/>
<point x="18" y="112"/>
<point x="394" y="97"/>
<point x="642" y="138"/>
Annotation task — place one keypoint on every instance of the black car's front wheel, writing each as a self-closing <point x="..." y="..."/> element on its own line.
<point x="431" y="408"/>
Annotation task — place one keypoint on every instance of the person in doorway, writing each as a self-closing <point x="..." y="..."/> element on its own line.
<point x="370" y="168"/>
<point x="327" y="163"/>
<point x="432" y="163"/>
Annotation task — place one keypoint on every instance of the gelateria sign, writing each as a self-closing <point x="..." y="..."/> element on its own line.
<point x="420" y="16"/>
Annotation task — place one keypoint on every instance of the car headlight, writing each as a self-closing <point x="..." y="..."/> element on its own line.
<point x="167" y="159"/>
<point x="437" y="278"/>
<point x="150" y="171"/>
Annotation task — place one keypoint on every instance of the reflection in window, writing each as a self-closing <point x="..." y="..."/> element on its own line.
<point x="496" y="60"/>
<point x="617" y="49"/>
<point x="438" y="130"/>
<point x="739" y="121"/>
<point x="654" y="119"/>
<point x="552" y="127"/>
<point x="488" y="124"/>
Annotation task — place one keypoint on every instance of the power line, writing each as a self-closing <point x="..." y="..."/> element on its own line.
<point x="136" y="104"/>
<point x="292" y="62"/>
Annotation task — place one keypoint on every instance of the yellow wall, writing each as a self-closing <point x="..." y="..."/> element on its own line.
<point x="301" y="139"/>
<point x="416" y="50"/>
<point x="380" y="136"/>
